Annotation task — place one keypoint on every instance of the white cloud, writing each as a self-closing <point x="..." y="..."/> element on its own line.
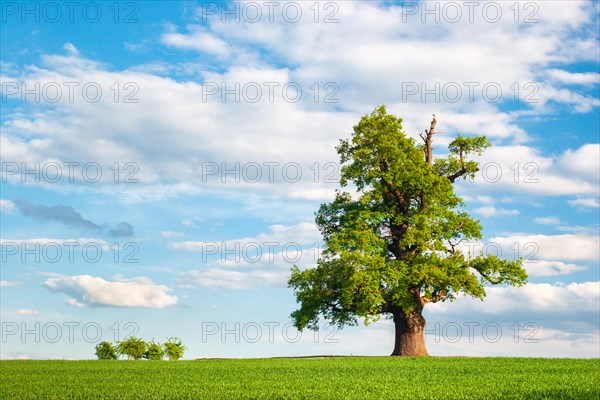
<point x="550" y="268"/>
<point x="189" y="222"/>
<point x="6" y="206"/>
<point x="263" y="260"/>
<point x="578" y="102"/>
<point x="88" y="290"/>
<point x="257" y="267"/>
<point x="588" y="202"/>
<point x="575" y="78"/>
<point x="485" y="199"/>
<point x="215" y="278"/>
<point x="547" y="220"/>
<point x="515" y="339"/>
<point x="75" y="303"/>
<point x="7" y="283"/>
<point x="582" y="162"/>
<point x="478" y="199"/>
<point x="570" y="247"/>
<point x="199" y="39"/>
<point x="171" y="234"/>
<point x="71" y="49"/>
<point x="578" y="229"/>
<point x="491" y="211"/>
<point x="534" y="298"/>
<point x="522" y="169"/>
<point x="28" y="313"/>
<point x="371" y="63"/>
<point x="279" y="235"/>
<point x="343" y="53"/>
<point x="257" y="131"/>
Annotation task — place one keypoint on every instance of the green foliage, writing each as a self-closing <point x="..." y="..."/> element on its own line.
<point x="134" y="348"/>
<point x="105" y="351"/>
<point x="154" y="351"/>
<point x="395" y="246"/>
<point x="456" y="164"/>
<point x="325" y="378"/>
<point x="174" y="348"/>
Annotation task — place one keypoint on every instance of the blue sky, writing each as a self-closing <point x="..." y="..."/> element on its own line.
<point x="162" y="163"/>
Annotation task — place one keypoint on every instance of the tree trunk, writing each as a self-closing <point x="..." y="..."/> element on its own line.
<point x="410" y="336"/>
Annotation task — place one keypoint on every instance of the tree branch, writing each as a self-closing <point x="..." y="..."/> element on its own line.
<point x="463" y="168"/>
<point x="428" y="139"/>
<point x="435" y="297"/>
<point x="333" y="307"/>
<point x="490" y="279"/>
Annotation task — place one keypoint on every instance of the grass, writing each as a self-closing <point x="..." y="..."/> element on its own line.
<point x="304" y="378"/>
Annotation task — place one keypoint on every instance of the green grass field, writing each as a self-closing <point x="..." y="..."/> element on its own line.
<point x="304" y="378"/>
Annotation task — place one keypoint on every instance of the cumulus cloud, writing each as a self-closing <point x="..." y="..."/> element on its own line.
<point x="547" y="220"/>
<point x="571" y="247"/>
<point x="303" y="53"/>
<point x="171" y="234"/>
<point x="575" y="78"/>
<point x="217" y="278"/>
<point x="71" y="49"/>
<point x="87" y="290"/>
<point x="189" y="223"/>
<point x="278" y="235"/>
<point x="491" y="211"/>
<point x="28" y="313"/>
<point x="251" y="262"/>
<point x="6" y="206"/>
<point x="523" y="169"/>
<point x="198" y="39"/>
<point x="543" y="255"/>
<point x="544" y="299"/>
<point x="244" y="270"/>
<point x="587" y="203"/>
<point x="550" y="268"/>
<point x="484" y="199"/>
<point x="582" y="162"/>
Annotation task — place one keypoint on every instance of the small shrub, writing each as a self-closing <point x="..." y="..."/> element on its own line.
<point x="174" y="348"/>
<point x="134" y="348"/>
<point x="105" y="351"/>
<point x="154" y="351"/>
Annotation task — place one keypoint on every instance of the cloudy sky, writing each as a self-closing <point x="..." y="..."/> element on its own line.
<point x="162" y="163"/>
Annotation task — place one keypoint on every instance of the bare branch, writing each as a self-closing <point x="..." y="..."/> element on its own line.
<point x="428" y="139"/>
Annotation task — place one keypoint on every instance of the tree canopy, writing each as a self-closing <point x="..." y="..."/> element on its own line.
<point x="394" y="247"/>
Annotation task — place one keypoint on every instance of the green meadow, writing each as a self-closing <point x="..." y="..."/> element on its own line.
<point x="304" y="378"/>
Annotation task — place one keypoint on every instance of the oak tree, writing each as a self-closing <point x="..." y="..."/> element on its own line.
<point x="394" y="247"/>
